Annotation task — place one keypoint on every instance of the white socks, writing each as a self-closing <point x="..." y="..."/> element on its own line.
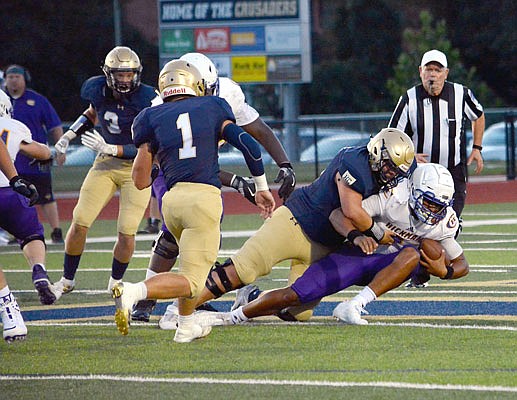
<point x="365" y="296"/>
<point x="237" y="316"/>
<point x="150" y="273"/>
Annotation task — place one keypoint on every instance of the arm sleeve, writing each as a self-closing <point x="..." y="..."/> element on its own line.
<point x="400" y="116"/>
<point x="247" y="145"/>
<point x="473" y="109"/>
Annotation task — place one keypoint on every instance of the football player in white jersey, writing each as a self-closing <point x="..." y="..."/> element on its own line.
<point x="165" y="249"/>
<point x="415" y="209"/>
<point x="18" y="217"/>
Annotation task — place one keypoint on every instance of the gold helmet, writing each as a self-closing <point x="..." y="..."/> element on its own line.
<point x="180" y="77"/>
<point x="392" y="156"/>
<point x="122" y="59"/>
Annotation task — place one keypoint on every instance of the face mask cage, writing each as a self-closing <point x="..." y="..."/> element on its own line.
<point x="389" y="175"/>
<point x="422" y="201"/>
<point x="122" y="87"/>
<point x="213" y="89"/>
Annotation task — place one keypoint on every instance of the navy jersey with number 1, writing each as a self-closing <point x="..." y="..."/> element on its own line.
<point x="184" y="136"/>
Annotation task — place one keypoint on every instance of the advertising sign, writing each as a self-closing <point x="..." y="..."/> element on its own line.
<point x="251" y="41"/>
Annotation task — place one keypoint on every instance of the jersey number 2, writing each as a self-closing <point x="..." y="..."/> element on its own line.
<point x="183" y="124"/>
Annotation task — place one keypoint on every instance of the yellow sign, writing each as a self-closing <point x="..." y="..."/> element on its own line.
<point x="249" y="69"/>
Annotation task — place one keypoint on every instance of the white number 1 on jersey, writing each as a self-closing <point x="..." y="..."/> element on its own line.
<point x="183" y="124"/>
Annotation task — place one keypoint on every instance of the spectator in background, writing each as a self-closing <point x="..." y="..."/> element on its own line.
<point x="35" y="111"/>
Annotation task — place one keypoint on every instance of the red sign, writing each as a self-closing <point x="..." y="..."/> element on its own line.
<point x="212" y="40"/>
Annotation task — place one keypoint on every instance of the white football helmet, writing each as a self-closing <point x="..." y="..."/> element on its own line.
<point x="6" y="107"/>
<point x="180" y="77"/>
<point x="431" y="192"/>
<point x="392" y="155"/>
<point x="207" y="69"/>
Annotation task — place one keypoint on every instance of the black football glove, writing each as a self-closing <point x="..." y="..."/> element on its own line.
<point x="245" y="186"/>
<point x="25" y="188"/>
<point x="288" y="178"/>
<point x="43" y="165"/>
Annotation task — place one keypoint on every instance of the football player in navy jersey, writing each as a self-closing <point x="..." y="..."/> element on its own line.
<point x="301" y="231"/>
<point x="182" y="135"/>
<point x="418" y="208"/>
<point x="115" y="99"/>
<point x="165" y="249"/>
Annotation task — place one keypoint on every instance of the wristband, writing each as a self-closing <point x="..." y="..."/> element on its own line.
<point x="286" y="165"/>
<point x="261" y="183"/>
<point x="81" y="125"/>
<point x="375" y="231"/>
<point x="477" y="147"/>
<point x="353" y="234"/>
<point x="450" y="272"/>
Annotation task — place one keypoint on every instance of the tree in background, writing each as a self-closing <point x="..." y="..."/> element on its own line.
<point x="417" y="42"/>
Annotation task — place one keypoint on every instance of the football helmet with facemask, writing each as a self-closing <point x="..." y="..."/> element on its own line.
<point x="207" y="69"/>
<point x="122" y="59"/>
<point x="180" y="77"/>
<point x="6" y="107"/>
<point x="391" y="156"/>
<point x="431" y="192"/>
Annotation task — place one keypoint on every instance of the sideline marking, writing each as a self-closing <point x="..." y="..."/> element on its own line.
<point x="395" y="385"/>
<point x="306" y="323"/>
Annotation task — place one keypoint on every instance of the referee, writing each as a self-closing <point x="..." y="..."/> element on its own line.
<point x="433" y="114"/>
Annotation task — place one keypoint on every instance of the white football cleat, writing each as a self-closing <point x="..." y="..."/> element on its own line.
<point x="189" y="332"/>
<point x="349" y="312"/>
<point x="242" y="296"/>
<point x="169" y="320"/>
<point x="14" y="326"/>
<point x="63" y="286"/>
<point x="112" y="282"/>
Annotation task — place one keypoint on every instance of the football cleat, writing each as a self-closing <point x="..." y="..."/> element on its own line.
<point x="112" y="282"/>
<point x="349" y="312"/>
<point x="245" y="295"/>
<point x="14" y="326"/>
<point x="412" y="284"/>
<point x="189" y="332"/>
<point x="125" y="297"/>
<point x="142" y="310"/>
<point x="41" y="281"/>
<point x="63" y="286"/>
<point x="169" y="320"/>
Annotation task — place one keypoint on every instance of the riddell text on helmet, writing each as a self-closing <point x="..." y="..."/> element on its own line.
<point x="171" y="91"/>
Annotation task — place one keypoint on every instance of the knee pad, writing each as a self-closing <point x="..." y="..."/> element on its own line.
<point x="31" y="238"/>
<point x="165" y="246"/>
<point x="219" y="270"/>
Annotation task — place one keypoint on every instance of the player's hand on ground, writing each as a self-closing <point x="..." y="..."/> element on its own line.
<point x="288" y="178"/>
<point x="266" y="202"/>
<point x="366" y="243"/>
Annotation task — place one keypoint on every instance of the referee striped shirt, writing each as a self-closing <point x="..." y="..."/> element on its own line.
<point x="436" y="123"/>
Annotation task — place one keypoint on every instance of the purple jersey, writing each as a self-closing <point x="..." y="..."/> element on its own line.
<point x="35" y="111"/>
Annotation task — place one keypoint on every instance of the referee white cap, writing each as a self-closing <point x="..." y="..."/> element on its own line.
<point x="436" y="56"/>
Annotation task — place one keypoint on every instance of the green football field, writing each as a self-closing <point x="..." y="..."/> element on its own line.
<point x="451" y="340"/>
